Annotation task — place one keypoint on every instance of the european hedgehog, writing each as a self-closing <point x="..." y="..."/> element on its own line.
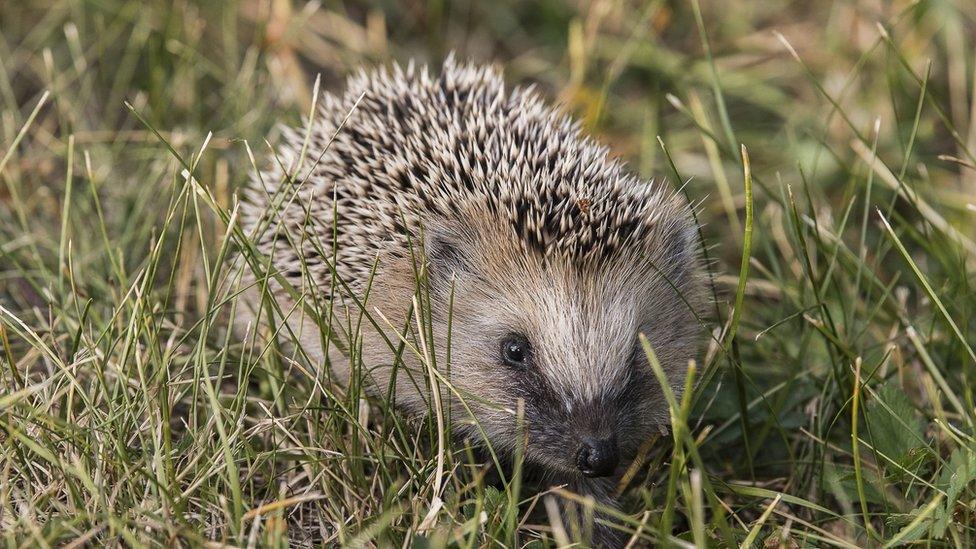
<point x="541" y="257"/>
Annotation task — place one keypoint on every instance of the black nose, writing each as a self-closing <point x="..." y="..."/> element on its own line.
<point x="597" y="458"/>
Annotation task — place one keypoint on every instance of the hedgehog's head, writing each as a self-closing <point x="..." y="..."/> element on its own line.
<point x="553" y="326"/>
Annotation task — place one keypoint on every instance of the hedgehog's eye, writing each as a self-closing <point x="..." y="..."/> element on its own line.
<point x="516" y="351"/>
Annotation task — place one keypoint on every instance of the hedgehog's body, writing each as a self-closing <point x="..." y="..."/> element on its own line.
<point x="541" y="256"/>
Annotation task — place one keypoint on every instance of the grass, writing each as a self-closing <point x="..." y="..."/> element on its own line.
<point x="831" y="145"/>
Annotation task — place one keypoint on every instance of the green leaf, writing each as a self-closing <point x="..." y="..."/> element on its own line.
<point x="960" y="471"/>
<point x="894" y="427"/>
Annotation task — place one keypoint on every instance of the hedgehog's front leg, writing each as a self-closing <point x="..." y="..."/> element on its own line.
<point x="585" y="521"/>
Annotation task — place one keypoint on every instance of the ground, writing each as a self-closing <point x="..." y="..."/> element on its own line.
<point x="830" y="148"/>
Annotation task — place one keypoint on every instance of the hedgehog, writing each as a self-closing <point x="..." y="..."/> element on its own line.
<point x="541" y="260"/>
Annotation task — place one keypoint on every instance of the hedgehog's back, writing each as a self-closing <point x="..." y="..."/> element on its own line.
<point x="401" y="148"/>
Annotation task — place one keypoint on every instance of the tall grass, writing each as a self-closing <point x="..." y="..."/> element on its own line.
<point x="831" y="147"/>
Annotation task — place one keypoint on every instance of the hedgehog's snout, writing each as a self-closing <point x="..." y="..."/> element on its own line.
<point x="597" y="457"/>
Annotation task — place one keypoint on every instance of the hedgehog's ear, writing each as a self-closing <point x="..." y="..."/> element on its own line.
<point x="681" y="248"/>
<point x="447" y="255"/>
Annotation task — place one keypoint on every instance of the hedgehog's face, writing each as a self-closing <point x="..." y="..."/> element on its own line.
<point x="560" y="342"/>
